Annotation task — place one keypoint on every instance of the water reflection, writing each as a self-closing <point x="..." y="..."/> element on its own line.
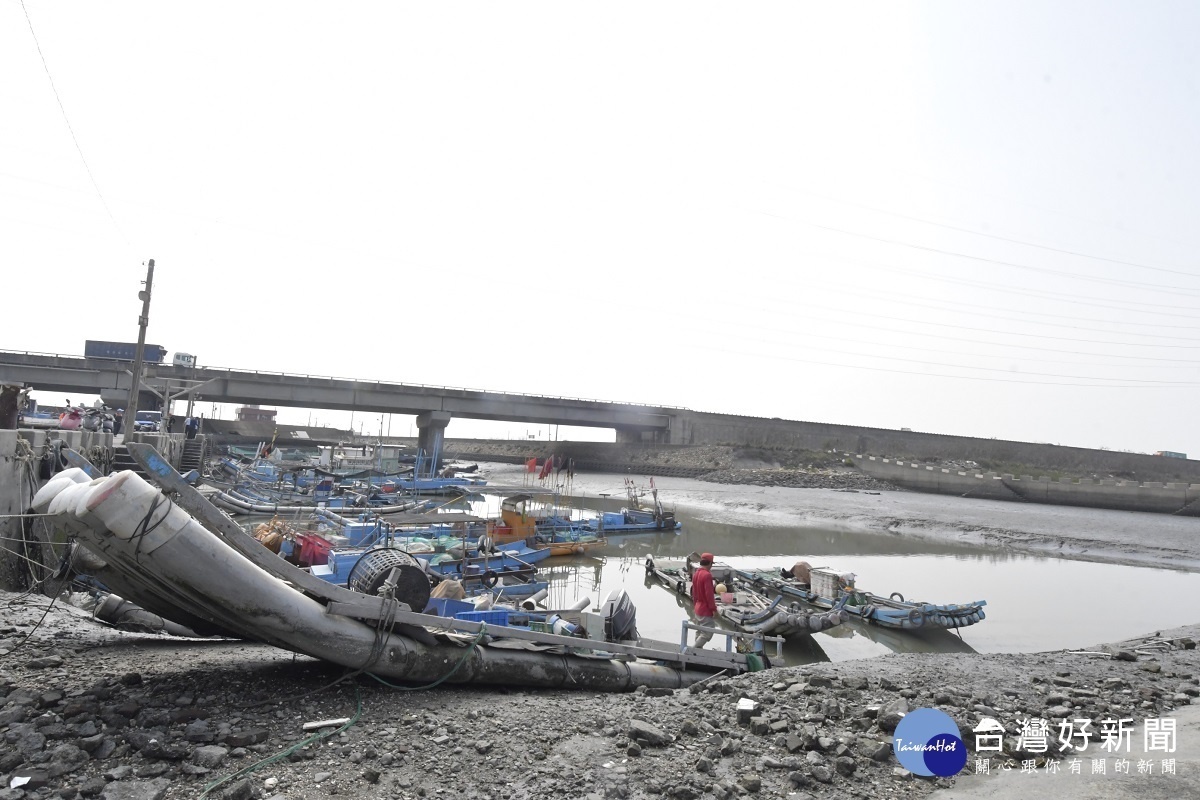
<point x="1034" y="603"/>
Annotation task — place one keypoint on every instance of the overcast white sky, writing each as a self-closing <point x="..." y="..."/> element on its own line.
<point x="965" y="218"/>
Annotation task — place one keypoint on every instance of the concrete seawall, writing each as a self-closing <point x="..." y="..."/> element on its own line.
<point x="697" y="428"/>
<point x="1162" y="498"/>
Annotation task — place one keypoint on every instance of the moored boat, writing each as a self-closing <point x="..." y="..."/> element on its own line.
<point x="827" y="587"/>
<point x="633" y="518"/>
<point x="743" y="607"/>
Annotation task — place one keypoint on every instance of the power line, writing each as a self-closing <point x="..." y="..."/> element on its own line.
<point x="943" y="375"/>
<point x="1044" y="270"/>
<point x="993" y="235"/>
<point x="1153" y="308"/>
<point x="1161" y="363"/>
<point x="71" y="130"/>
<point x="959" y="309"/>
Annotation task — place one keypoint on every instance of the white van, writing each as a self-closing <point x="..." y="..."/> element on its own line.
<point x="184" y="360"/>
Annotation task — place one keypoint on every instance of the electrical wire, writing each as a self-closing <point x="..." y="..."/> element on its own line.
<point x="70" y="129"/>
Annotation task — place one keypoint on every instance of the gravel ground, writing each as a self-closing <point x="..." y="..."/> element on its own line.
<point x="88" y="711"/>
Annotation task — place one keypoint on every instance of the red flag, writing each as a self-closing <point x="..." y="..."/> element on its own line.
<point x="531" y="465"/>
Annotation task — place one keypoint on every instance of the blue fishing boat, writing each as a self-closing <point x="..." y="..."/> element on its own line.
<point x="633" y="518"/>
<point x="826" y="587"/>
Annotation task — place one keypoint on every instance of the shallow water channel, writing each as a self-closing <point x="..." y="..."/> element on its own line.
<point x="1033" y="603"/>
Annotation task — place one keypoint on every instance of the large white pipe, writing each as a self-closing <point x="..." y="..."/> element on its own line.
<point x="177" y="551"/>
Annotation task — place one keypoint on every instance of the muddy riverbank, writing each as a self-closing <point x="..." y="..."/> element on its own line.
<point x="86" y="711"/>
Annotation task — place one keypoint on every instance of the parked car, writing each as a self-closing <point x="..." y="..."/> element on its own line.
<point x="147" y="421"/>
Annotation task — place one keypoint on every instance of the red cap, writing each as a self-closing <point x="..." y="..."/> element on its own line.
<point x="706" y="557"/>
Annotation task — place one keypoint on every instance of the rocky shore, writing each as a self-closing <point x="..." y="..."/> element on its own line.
<point x="87" y="711"/>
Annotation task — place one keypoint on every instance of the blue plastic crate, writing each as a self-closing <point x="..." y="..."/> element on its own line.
<point x="496" y="616"/>
<point x="445" y="607"/>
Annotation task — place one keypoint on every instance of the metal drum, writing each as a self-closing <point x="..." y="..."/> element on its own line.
<point x="371" y="571"/>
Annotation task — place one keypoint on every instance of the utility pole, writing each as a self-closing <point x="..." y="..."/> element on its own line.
<point x="135" y="387"/>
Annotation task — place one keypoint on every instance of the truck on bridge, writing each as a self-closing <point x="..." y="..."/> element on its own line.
<point x="123" y="351"/>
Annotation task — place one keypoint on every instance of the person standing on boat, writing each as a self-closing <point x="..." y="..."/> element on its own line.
<point x="704" y="598"/>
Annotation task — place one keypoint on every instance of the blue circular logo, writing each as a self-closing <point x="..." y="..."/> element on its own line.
<point x="927" y="742"/>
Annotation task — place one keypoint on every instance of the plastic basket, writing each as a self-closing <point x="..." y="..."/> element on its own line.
<point x="496" y="616"/>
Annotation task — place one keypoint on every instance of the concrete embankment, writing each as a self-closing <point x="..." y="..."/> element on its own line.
<point x="1164" y="498"/>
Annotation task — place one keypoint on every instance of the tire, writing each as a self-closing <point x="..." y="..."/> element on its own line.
<point x="916" y="618"/>
<point x="490" y="579"/>
<point x="896" y="596"/>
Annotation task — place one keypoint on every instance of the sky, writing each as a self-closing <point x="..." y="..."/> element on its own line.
<point x="962" y="218"/>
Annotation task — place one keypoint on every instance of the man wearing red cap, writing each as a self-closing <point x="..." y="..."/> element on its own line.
<point x="704" y="598"/>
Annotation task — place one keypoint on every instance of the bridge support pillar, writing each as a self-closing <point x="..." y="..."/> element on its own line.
<point x="431" y="432"/>
<point x="639" y="436"/>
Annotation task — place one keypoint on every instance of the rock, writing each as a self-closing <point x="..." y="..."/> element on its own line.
<point x="131" y="679"/>
<point x="209" y="756"/>
<point x="750" y="782"/>
<point x="45" y="662"/>
<point x="247" y="737"/>
<point x="136" y="790"/>
<point x="241" y="790"/>
<point x="199" y="732"/>
<point x="92" y="787"/>
<point x="1125" y="655"/>
<point x="822" y="774"/>
<point x="689" y="727"/>
<point x="881" y="752"/>
<point x="746" y="709"/>
<point x="891" y="714"/>
<point x="760" y="726"/>
<point x="321" y="777"/>
<point x="66" y="758"/>
<point x="845" y="766"/>
<point x="704" y="765"/>
<point x="34" y="778"/>
<point x="650" y="734"/>
<point x="1151" y="666"/>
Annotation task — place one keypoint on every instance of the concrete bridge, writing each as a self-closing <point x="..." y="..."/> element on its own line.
<point x="433" y="406"/>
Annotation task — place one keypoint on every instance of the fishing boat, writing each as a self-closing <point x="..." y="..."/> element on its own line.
<point x="827" y="587"/>
<point x="633" y="518"/>
<point x="743" y="607"/>
<point x="519" y="521"/>
<point x="195" y="566"/>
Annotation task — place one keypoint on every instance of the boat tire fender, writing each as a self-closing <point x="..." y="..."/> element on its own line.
<point x="490" y="578"/>
<point x="916" y="618"/>
<point x="897" y="596"/>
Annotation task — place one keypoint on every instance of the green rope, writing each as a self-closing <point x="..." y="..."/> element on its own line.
<point x="478" y="638"/>
<point x="302" y="743"/>
<point x="754" y="662"/>
<point x="357" y="713"/>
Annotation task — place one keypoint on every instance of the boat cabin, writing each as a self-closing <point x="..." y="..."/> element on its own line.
<point x="516" y="520"/>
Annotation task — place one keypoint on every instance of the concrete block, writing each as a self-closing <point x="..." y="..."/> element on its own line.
<point x="8" y="444"/>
